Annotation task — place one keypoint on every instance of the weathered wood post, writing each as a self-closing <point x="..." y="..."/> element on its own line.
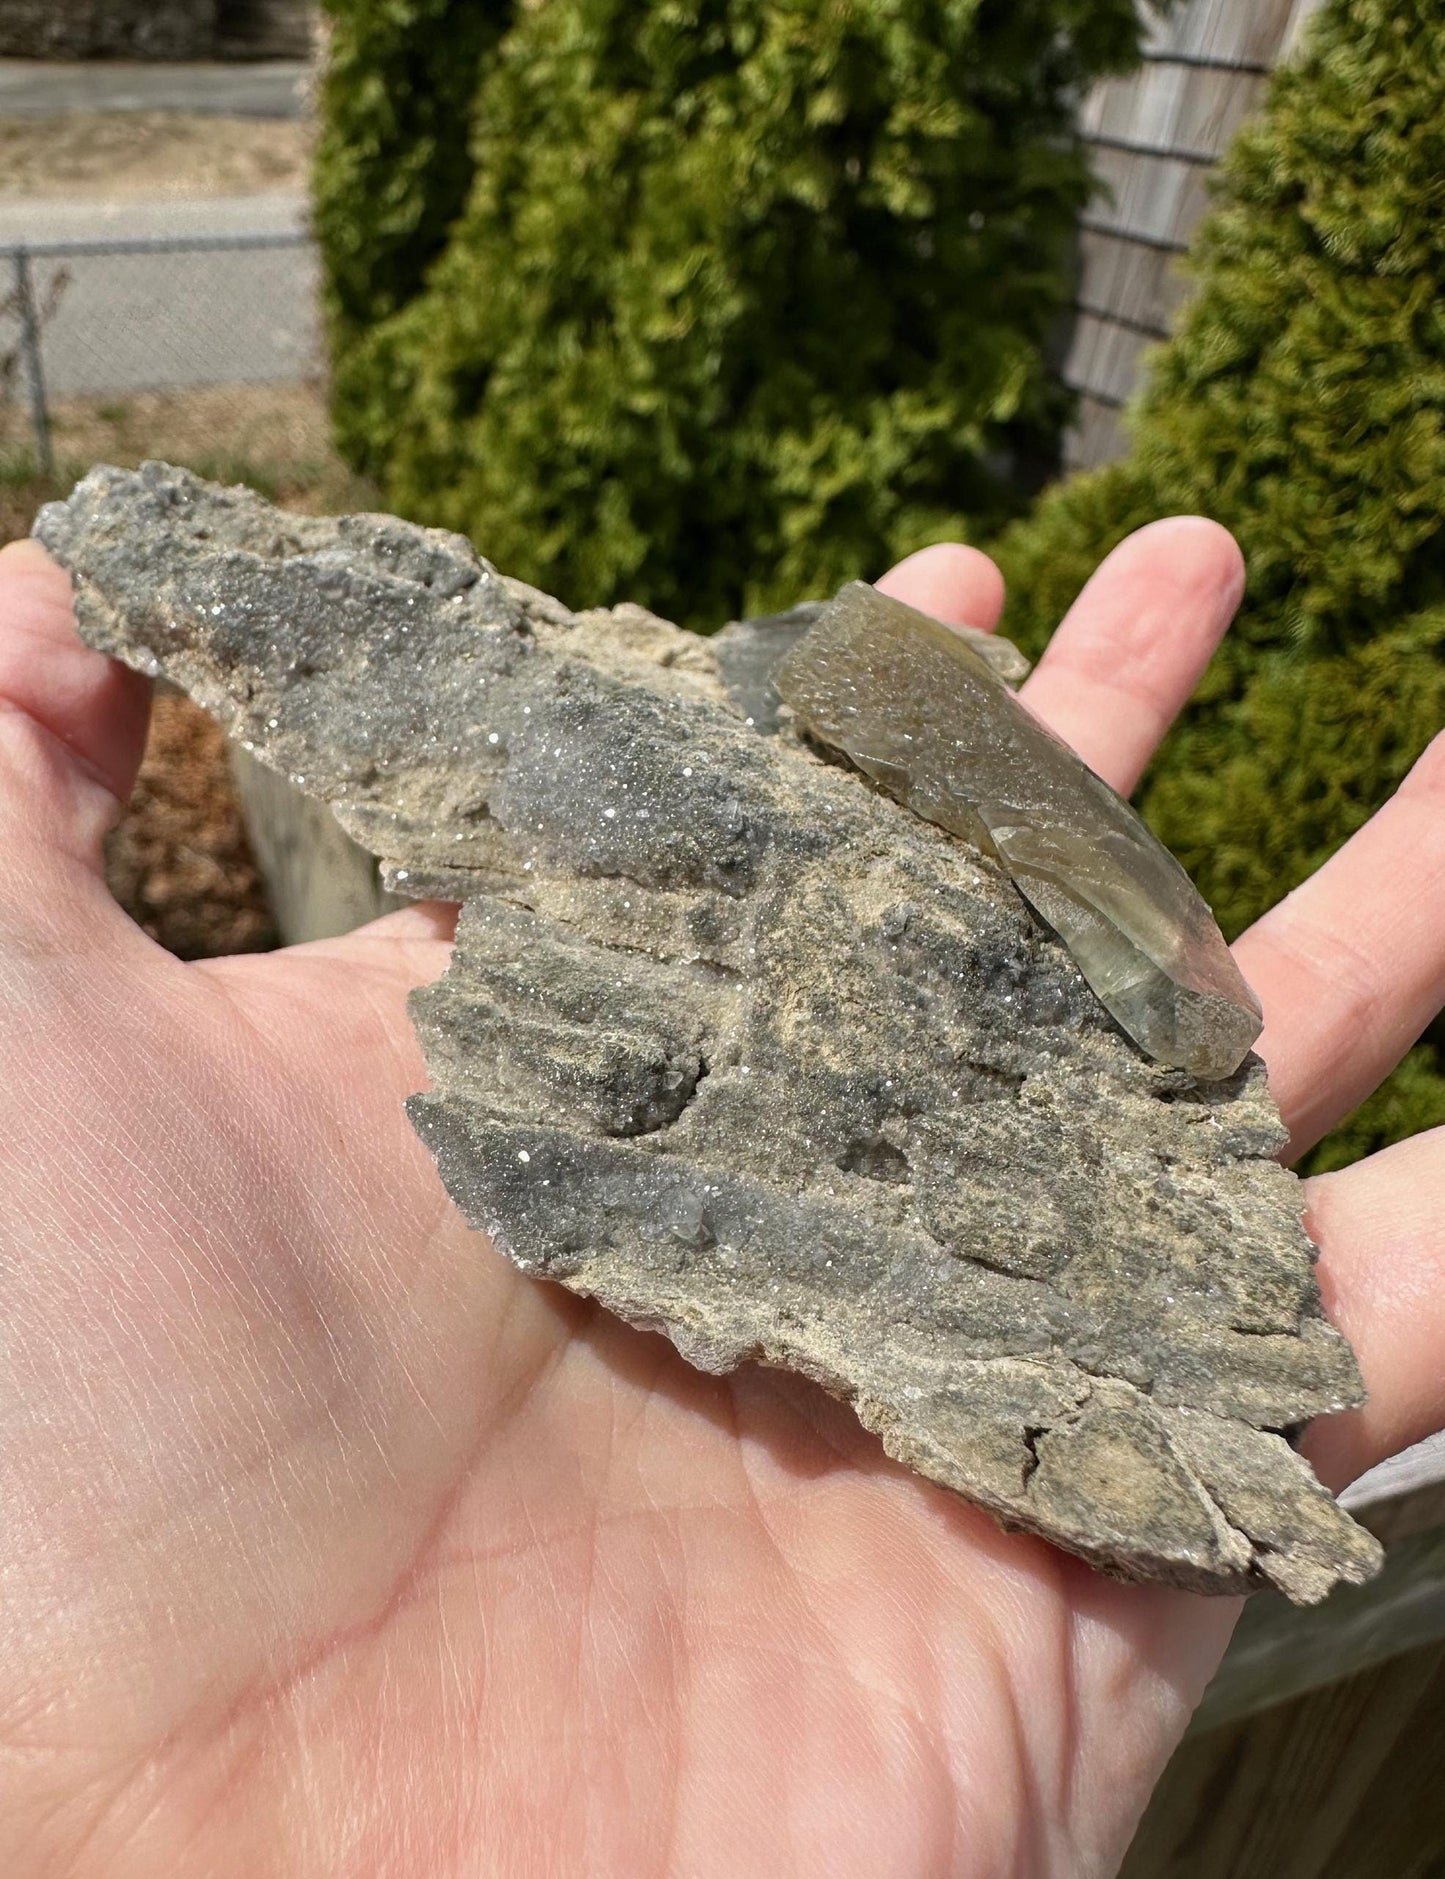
<point x="30" y="347"/>
<point x="320" y="883"/>
<point x="1315" y="1752"/>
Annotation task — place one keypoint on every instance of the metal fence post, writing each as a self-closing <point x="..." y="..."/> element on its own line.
<point x="30" y="343"/>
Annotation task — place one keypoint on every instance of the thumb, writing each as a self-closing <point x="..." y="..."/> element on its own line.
<point x="72" y="730"/>
<point x="391" y="955"/>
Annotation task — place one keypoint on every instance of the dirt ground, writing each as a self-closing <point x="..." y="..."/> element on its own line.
<point x="93" y="155"/>
<point x="278" y="430"/>
<point x="275" y="437"/>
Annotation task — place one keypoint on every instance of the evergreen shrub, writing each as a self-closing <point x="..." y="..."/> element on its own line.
<point x="1301" y="403"/>
<point x="393" y="165"/>
<point x="704" y="303"/>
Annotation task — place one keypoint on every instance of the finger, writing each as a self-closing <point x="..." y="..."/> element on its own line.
<point x="1131" y="648"/>
<point x="1381" y="1233"/>
<point x="406" y="948"/>
<point x="72" y="725"/>
<point x="1350" y="968"/>
<point x="953" y="583"/>
<point x="90" y="704"/>
<point x="414" y="943"/>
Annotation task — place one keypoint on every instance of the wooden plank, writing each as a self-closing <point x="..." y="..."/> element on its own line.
<point x="1405" y="1494"/>
<point x="319" y="881"/>
<point x="1193" y="109"/>
<point x="1158" y="198"/>
<point x="1341" y="1784"/>
<point x="1281" y="1651"/>
<point x="1116" y="275"/>
<point x="1398" y="1826"/>
<point x="1223" y="32"/>
<point x="1103" y="358"/>
<point x="1096" y="436"/>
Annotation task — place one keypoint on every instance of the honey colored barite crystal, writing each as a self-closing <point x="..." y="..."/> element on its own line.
<point x="913" y="705"/>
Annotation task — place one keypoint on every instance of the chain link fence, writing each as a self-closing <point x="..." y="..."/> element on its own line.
<point x="87" y="319"/>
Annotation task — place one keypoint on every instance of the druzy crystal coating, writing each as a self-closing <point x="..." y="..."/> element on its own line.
<point x="910" y="702"/>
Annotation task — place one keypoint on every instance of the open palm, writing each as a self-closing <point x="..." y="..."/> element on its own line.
<point x="330" y="1545"/>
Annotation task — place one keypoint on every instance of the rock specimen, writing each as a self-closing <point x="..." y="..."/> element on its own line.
<point x="916" y="708"/>
<point x="736" y="1044"/>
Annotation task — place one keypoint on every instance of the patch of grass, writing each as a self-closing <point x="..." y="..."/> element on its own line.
<point x="274" y="437"/>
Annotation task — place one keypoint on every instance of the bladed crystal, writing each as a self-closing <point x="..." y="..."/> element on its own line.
<point x="910" y="702"/>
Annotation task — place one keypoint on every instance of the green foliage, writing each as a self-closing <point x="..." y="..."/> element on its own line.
<point x="747" y="296"/>
<point x="1302" y="403"/>
<point x="392" y="165"/>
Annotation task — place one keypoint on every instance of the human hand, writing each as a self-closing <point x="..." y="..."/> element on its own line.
<point x="332" y="1545"/>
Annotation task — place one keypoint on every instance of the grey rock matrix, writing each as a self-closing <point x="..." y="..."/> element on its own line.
<point x="746" y="1050"/>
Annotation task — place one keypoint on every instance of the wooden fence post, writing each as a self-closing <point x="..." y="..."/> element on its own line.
<point x="1315" y="1752"/>
<point x="319" y="881"/>
<point x="34" y="369"/>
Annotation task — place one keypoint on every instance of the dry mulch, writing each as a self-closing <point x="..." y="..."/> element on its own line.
<point x="179" y="861"/>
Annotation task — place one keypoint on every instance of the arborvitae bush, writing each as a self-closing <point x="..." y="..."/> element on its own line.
<point x="393" y="164"/>
<point x="725" y="301"/>
<point x="1302" y="403"/>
